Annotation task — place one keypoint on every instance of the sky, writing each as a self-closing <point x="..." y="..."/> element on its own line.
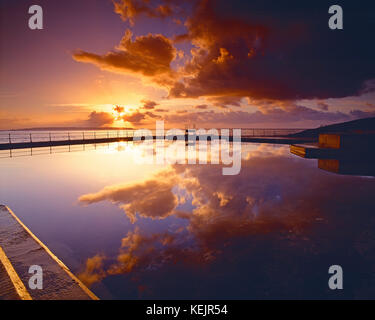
<point x="208" y="63"/>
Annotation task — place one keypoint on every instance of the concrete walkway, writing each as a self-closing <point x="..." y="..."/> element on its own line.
<point x="7" y="289"/>
<point x="20" y="249"/>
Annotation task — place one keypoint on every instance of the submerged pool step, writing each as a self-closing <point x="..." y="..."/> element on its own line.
<point x="19" y="250"/>
<point x="313" y="151"/>
<point x="333" y="146"/>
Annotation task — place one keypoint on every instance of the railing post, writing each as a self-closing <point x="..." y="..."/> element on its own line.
<point x="50" y="138"/>
<point x="31" y="140"/>
<point x="83" y="136"/>
<point x="10" y="139"/>
<point x="69" y="136"/>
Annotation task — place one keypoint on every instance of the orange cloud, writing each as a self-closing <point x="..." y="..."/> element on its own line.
<point x="246" y="211"/>
<point x="149" y="104"/>
<point x="264" y="56"/>
<point x="149" y="56"/>
<point x="136" y="118"/>
<point x="152" y="198"/>
<point x="130" y="9"/>
<point x="93" y="271"/>
<point x="119" y="109"/>
<point x="235" y="56"/>
<point x="99" y="119"/>
<point x="138" y="251"/>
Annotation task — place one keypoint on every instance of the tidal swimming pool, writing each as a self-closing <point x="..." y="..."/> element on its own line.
<point x="132" y="230"/>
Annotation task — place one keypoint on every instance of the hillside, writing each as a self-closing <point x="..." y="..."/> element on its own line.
<point x="366" y="125"/>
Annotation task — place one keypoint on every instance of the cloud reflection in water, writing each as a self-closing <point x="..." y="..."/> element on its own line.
<point x="270" y="232"/>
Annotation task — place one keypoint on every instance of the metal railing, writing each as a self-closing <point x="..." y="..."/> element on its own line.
<point x="9" y="137"/>
<point x="268" y="132"/>
<point x="26" y="152"/>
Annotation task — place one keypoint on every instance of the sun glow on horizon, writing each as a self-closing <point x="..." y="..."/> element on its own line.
<point x="119" y="113"/>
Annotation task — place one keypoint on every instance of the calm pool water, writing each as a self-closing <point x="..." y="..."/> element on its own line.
<point x="135" y="231"/>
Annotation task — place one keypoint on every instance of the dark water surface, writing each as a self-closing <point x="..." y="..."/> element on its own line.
<point x="133" y="230"/>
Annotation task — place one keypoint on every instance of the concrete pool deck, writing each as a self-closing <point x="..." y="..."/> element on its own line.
<point x="20" y="249"/>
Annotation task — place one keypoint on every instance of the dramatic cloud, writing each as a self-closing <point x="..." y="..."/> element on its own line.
<point x="138" y="117"/>
<point x="225" y="101"/>
<point x="149" y="104"/>
<point x="118" y="109"/>
<point x="149" y="55"/>
<point x="93" y="270"/>
<point x="130" y="9"/>
<point x="135" y="118"/>
<point x="236" y="218"/>
<point x="152" y="198"/>
<point x="99" y="119"/>
<point x="256" y="49"/>
<point x="139" y="250"/>
<point x="251" y="49"/>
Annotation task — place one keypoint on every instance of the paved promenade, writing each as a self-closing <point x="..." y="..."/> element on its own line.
<point x="20" y="249"/>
